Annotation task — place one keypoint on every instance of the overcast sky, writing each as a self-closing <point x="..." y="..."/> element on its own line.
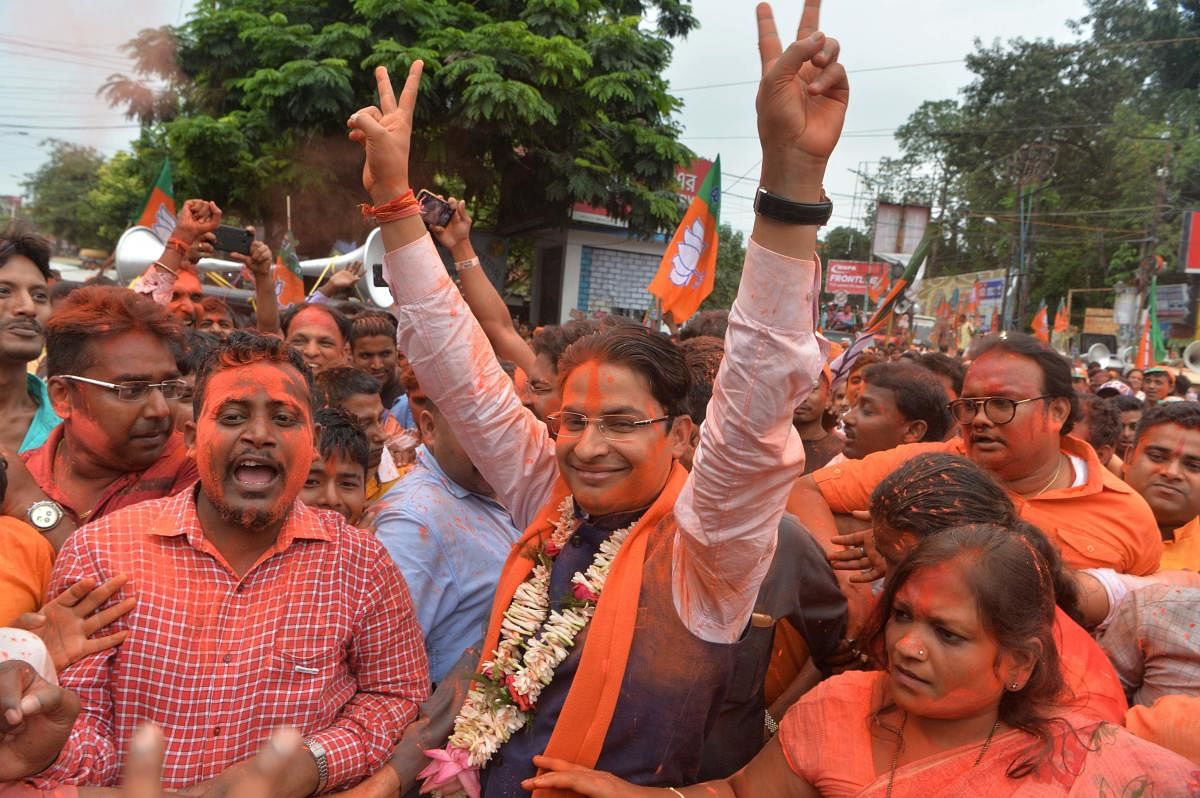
<point x="54" y="54"/>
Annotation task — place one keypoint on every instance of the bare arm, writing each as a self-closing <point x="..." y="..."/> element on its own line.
<point x="481" y="296"/>
<point x="266" y="306"/>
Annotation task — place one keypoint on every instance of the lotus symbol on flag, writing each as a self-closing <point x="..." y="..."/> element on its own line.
<point x="164" y="223"/>
<point x="687" y="255"/>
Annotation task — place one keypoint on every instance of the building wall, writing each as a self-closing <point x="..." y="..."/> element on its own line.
<point x="607" y="272"/>
<point x="614" y="281"/>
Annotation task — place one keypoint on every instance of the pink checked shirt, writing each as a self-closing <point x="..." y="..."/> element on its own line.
<point x="749" y="454"/>
<point x="320" y="634"/>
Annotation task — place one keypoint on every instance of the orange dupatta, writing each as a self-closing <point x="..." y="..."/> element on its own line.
<point x="583" y="723"/>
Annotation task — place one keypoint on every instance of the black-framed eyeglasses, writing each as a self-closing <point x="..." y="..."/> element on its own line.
<point x="998" y="409"/>
<point x="136" y="391"/>
<point x="614" y="427"/>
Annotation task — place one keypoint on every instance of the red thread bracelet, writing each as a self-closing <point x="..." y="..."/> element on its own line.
<point x="401" y="207"/>
<point x="179" y="245"/>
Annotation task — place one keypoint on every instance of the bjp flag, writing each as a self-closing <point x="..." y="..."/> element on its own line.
<point x="158" y="209"/>
<point x="1041" y="324"/>
<point x="286" y="274"/>
<point x="688" y="268"/>
<point x="1060" y="318"/>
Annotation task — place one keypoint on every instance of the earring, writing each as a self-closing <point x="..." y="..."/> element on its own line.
<point x="1015" y="687"/>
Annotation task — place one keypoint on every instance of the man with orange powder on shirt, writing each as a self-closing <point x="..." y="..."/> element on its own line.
<point x="1016" y="411"/>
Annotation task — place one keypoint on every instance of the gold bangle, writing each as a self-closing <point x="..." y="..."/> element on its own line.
<point x="165" y="267"/>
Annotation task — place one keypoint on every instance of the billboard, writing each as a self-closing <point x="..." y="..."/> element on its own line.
<point x="1189" y="247"/>
<point x="690" y="179"/>
<point x="898" y="229"/>
<point x="850" y="276"/>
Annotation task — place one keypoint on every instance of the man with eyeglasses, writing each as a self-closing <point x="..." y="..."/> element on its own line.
<point x="1016" y="414"/>
<point x="636" y="682"/>
<point x="112" y="378"/>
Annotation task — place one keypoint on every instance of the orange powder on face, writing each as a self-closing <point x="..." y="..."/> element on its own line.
<point x="257" y="388"/>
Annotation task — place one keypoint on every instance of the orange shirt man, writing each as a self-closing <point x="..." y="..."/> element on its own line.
<point x="1055" y="480"/>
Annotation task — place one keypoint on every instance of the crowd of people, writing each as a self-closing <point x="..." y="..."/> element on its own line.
<point x="413" y="550"/>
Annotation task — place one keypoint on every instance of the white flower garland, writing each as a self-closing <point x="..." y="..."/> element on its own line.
<point x="533" y="642"/>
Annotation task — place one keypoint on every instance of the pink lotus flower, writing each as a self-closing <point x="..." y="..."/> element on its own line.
<point x="584" y="593"/>
<point x="520" y="699"/>
<point x="449" y="772"/>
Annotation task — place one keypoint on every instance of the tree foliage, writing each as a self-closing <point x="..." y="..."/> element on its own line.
<point x="731" y="255"/>
<point x="59" y="190"/>
<point x="845" y="243"/>
<point x="527" y="106"/>
<point x="1120" y="109"/>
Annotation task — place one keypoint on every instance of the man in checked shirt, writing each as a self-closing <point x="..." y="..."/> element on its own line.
<point x="253" y="612"/>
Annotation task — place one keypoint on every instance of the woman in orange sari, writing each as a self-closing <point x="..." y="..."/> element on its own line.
<point x="965" y="704"/>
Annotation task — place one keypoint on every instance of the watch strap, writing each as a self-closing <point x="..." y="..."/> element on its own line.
<point x="782" y="209"/>
<point x="318" y="754"/>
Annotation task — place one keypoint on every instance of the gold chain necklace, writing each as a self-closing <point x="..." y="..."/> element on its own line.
<point x="1053" y="479"/>
<point x="900" y="741"/>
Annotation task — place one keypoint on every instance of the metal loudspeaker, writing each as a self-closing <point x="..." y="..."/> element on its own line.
<point x="138" y="247"/>
<point x="1191" y="356"/>
<point x="1098" y="353"/>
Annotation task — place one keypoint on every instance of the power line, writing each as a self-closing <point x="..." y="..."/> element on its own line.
<point x="67" y="127"/>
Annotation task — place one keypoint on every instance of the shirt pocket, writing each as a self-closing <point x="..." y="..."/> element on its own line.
<point x="307" y="677"/>
<point x="1086" y="549"/>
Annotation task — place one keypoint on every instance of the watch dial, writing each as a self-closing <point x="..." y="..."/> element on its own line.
<point x="44" y="516"/>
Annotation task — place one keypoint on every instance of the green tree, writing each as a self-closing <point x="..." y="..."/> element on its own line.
<point x="731" y="254"/>
<point x="1118" y="108"/>
<point x="528" y="106"/>
<point x="59" y="190"/>
<point x="845" y="243"/>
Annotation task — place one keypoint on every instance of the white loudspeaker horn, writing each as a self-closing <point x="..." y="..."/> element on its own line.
<point x="138" y="247"/>
<point x="1098" y="353"/>
<point x="1191" y="356"/>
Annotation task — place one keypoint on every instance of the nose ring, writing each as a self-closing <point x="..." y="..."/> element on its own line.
<point x="920" y="652"/>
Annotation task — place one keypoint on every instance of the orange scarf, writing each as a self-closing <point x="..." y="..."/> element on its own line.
<point x="583" y="723"/>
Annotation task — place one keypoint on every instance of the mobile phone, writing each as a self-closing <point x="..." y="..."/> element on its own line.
<point x="233" y="239"/>
<point x="435" y="211"/>
<point x="377" y="275"/>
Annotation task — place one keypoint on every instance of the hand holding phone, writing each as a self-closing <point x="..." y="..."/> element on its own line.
<point x="233" y="239"/>
<point x="435" y="211"/>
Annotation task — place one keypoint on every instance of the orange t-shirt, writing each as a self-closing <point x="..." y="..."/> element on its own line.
<point x="25" y="560"/>
<point x="1183" y="553"/>
<point x="1103" y="523"/>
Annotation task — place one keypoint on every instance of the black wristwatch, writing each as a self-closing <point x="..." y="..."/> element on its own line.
<point x="785" y="210"/>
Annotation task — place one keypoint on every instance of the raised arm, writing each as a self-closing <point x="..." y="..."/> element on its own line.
<point x="481" y="296"/>
<point x="266" y="305"/>
<point x="447" y="348"/>
<point x="197" y="219"/>
<point x="749" y="454"/>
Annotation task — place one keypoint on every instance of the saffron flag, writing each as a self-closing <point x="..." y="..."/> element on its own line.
<point x="1041" y="324"/>
<point x="840" y="367"/>
<point x="688" y="268"/>
<point x="1060" y="318"/>
<point x="158" y="209"/>
<point x="286" y="274"/>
